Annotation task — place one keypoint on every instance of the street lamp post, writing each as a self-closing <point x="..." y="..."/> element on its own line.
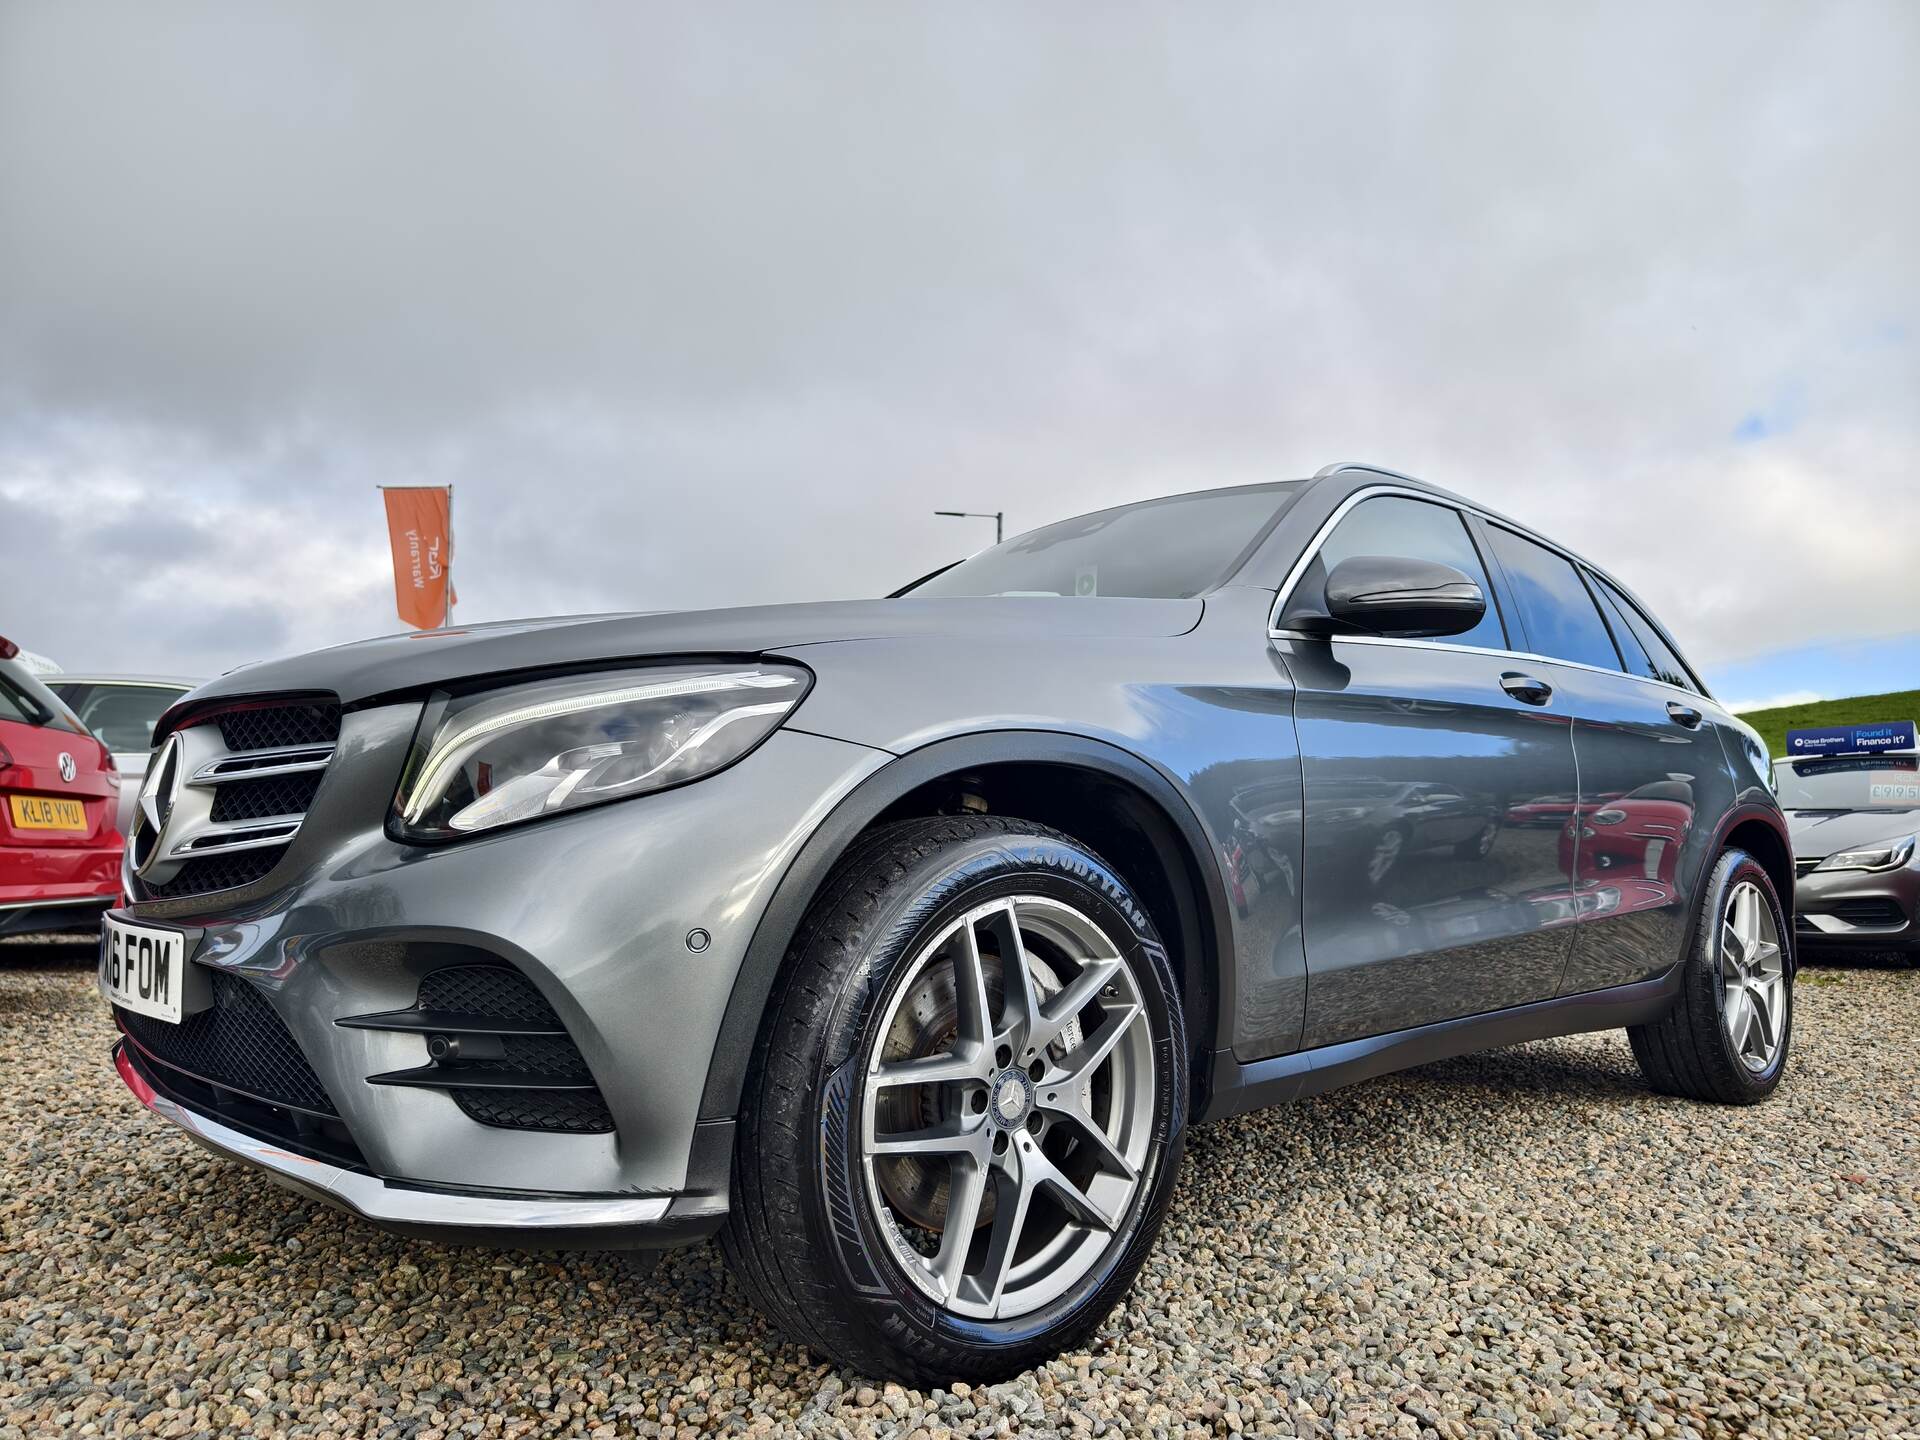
<point x="999" y="518"/>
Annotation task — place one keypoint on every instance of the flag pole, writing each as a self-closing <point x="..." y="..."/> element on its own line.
<point x="447" y="623"/>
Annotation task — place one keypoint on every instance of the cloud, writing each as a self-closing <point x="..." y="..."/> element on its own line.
<point x="700" y="307"/>
<point x="1776" y="702"/>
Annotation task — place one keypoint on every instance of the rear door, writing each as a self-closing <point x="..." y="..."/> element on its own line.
<point x="1422" y="899"/>
<point x="1650" y="767"/>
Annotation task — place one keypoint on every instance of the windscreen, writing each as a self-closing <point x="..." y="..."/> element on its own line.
<point x="1158" y="550"/>
<point x="1876" y="782"/>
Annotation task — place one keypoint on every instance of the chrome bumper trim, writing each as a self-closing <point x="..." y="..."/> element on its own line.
<point x="374" y="1200"/>
<point x="59" y="903"/>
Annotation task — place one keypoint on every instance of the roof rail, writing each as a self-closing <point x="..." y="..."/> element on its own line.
<point x="1340" y="465"/>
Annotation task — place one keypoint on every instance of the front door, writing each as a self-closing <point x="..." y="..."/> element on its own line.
<point x="1436" y="781"/>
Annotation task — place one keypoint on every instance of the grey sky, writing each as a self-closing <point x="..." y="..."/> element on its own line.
<point x="700" y="306"/>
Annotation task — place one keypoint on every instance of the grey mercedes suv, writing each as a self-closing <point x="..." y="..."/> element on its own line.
<point x="898" y="942"/>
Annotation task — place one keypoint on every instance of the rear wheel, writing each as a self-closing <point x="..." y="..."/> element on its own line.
<point x="1726" y="1037"/>
<point x="966" y="1118"/>
<point x="1480" y="845"/>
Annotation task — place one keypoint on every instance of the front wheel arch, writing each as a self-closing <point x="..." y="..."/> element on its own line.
<point x="1199" y="935"/>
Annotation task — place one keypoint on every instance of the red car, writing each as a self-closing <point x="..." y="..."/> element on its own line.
<point x="1632" y="837"/>
<point x="59" y="849"/>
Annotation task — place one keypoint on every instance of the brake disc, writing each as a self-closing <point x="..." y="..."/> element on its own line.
<point x="926" y="1024"/>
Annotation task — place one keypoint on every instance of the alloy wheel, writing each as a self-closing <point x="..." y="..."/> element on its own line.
<point x="1386" y="850"/>
<point x="1007" y="1114"/>
<point x="1753" y="977"/>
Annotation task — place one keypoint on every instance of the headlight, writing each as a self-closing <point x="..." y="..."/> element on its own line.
<point x="1884" y="857"/>
<point x="498" y="757"/>
<point x="1608" y="817"/>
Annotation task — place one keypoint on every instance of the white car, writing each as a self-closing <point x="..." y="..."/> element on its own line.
<point x="122" y="711"/>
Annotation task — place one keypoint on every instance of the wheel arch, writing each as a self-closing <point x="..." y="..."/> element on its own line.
<point x="1164" y="850"/>
<point x="1760" y="832"/>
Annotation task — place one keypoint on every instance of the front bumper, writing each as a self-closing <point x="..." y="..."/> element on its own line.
<point x="1870" y="909"/>
<point x="31" y="917"/>
<point x="594" y="908"/>
<point x="521" y="1220"/>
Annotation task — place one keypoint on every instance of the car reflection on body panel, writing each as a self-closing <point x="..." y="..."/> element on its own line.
<point x="1381" y="821"/>
<point x="1640" y="832"/>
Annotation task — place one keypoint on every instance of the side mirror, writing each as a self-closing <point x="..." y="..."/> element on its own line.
<point x="1391" y="595"/>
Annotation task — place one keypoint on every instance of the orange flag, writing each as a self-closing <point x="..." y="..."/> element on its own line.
<point x="420" y="529"/>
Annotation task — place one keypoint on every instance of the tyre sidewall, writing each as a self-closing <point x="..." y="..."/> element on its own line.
<point x="1734" y="867"/>
<point x="945" y="885"/>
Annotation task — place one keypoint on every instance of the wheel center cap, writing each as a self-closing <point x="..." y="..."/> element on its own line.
<point x="1012" y="1098"/>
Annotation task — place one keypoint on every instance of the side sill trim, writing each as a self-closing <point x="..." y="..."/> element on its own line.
<point x="375" y="1200"/>
<point x="1239" y="1088"/>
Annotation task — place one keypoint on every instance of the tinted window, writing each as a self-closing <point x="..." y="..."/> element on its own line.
<point x="1395" y="526"/>
<point x="1159" y="550"/>
<point x="15" y="704"/>
<point x="123" y="716"/>
<point x="1645" y="652"/>
<point x="22" y="697"/>
<point x="1555" y="608"/>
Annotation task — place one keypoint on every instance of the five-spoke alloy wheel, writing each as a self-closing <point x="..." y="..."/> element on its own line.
<point x="1754" y="976"/>
<point x="1726" y="1036"/>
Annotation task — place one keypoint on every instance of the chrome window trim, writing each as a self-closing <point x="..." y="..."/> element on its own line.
<point x="1460" y="507"/>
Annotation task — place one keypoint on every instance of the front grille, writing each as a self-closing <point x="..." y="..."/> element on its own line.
<point x="262" y="799"/>
<point x="516" y="1067"/>
<point x="232" y="773"/>
<point x="323" y="1137"/>
<point x="217" y="872"/>
<point x="237" y="1043"/>
<point x="263" y="727"/>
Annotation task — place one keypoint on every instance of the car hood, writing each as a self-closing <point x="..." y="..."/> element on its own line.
<point x="1818" y="833"/>
<point x="417" y="660"/>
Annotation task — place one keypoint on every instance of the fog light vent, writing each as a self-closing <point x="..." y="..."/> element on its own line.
<point x="496" y="1045"/>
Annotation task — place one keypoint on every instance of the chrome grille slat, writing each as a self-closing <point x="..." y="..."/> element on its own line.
<point x="246" y="835"/>
<point x="225" y="796"/>
<point x="259" y="764"/>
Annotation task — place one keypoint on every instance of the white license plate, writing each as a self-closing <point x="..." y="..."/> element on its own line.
<point x="143" y="969"/>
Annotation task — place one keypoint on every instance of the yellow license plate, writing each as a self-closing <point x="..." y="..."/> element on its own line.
<point x="47" y="812"/>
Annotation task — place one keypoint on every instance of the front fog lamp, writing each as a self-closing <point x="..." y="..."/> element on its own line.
<point x="502" y="756"/>
<point x="1881" y="857"/>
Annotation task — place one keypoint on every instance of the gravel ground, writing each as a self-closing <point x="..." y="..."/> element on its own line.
<point x="1524" y="1243"/>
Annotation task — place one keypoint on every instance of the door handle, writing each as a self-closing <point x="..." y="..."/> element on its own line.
<point x="1683" y="715"/>
<point x="1528" y="689"/>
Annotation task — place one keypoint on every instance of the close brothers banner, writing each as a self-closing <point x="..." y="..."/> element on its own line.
<point x="420" y="530"/>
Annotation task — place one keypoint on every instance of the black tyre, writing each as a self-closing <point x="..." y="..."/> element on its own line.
<point x="951" y="1166"/>
<point x="1480" y="845"/>
<point x="1727" y="1036"/>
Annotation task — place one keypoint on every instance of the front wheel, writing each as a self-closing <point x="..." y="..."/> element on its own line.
<point x="1726" y="1037"/>
<point x="967" y="1112"/>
